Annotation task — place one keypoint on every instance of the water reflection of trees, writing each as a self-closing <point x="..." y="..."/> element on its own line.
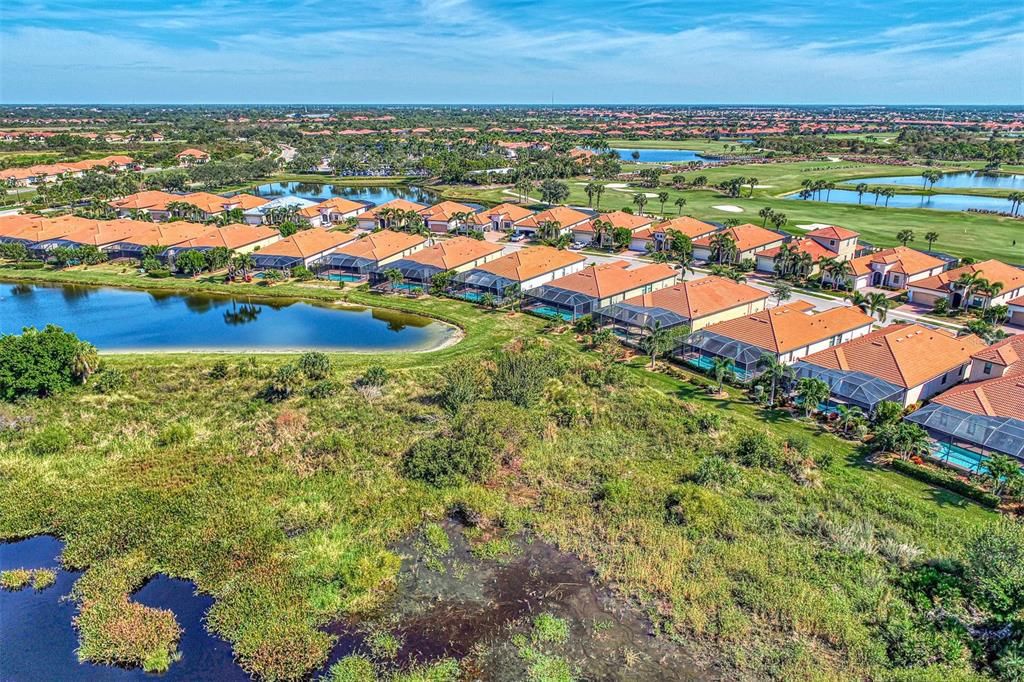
<point x="398" y="321"/>
<point x="242" y="314"/>
<point x="73" y="293"/>
<point x="22" y="290"/>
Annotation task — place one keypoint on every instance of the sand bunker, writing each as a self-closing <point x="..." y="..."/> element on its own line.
<point x="728" y="208"/>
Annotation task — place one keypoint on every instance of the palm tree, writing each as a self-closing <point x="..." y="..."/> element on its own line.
<point x="861" y="188"/>
<point x="931" y="238"/>
<point x="765" y="213"/>
<point x="878" y="304"/>
<point x="825" y="265"/>
<point x="967" y="283"/>
<point x="752" y="182"/>
<point x="85" y="361"/>
<point x="394" y="277"/>
<point x="778" y="219"/>
<point x="679" y="202"/>
<point x="991" y="290"/>
<point x="774" y="371"/>
<point x="242" y="263"/>
<point x="657" y="340"/>
<point x="602" y="230"/>
<point x="640" y="199"/>
<point x="888" y="193"/>
<point x="719" y="367"/>
<point x="662" y="198"/>
<point x="591" y="190"/>
<point x="550" y="229"/>
<point x="840" y="271"/>
<point x="598" y="191"/>
<point x="812" y="392"/>
<point x="722" y="245"/>
<point x="848" y="417"/>
<point x="905" y="236"/>
<point x="1016" y="199"/>
<point x="524" y="187"/>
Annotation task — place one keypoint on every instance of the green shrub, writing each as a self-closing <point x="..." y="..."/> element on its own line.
<point x="315" y="365"/>
<point x="375" y="375"/>
<point x="994" y="567"/>
<point x="174" y="434"/>
<point x="110" y="381"/>
<point x="219" y="370"/>
<point x="302" y="273"/>
<point x="15" y="579"/>
<point x="463" y="385"/>
<point x="708" y="420"/>
<point x="53" y="439"/>
<point x="550" y="629"/>
<point x="285" y="381"/>
<point x="43" y="363"/>
<point x="43" y="578"/>
<point x="716" y="471"/>
<point x="946" y="480"/>
<point x="520" y="376"/>
<point x="697" y="508"/>
<point x="159" y="273"/>
<point x="759" y="449"/>
<point x="323" y="389"/>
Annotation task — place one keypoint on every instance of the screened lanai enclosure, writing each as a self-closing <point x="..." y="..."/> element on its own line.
<point x="472" y="285"/>
<point x="415" y="276"/>
<point x="550" y="301"/>
<point x="343" y="266"/>
<point x="851" y="388"/>
<point x="633" y="322"/>
<point x="125" y="250"/>
<point x="964" y="439"/>
<point x="703" y="346"/>
<point x="272" y="262"/>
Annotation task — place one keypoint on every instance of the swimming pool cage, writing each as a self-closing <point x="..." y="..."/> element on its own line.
<point x="271" y="262"/>
<point x="703" y="345"/>
<point x="473" y="284"/>
<point x="851" y="388"/>
<point x="554" y="301"/>
<point x="633" y="322"/>
<point x="412" y="271"/>
<point x="957" y="432"/>
<point x="343" y="264"/>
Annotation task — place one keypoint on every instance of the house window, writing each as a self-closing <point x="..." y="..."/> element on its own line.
<point x="835" y="341"/>
<point x="987" y="369"/>
<point x="944" y="379"/>
<point x="831" y="242"/>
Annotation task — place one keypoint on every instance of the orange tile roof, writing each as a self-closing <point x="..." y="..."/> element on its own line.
<point x="700" y="297"/>
<point x="608" y="279"/>
<point x="1008" y="352"/>
<point x="802" y="245"/>
<point x="445" y="210"/>
<point x="232" y="236"/>
<point x="999" y="397"/>
<point x="165" y="234"/>
<point x="341" y="205"/>
<point x="790" y="327"/>
<point x="691" y="227"/>
<point x="833" y="232"/>
<point x="455" y="252"/>
<point x="380" y="245"/>
<point x="399" y="204"/>
<point x="206" y="202"/>
<point x="992" y="270"/>
<point x="903" y="259"/>
<point x="513" y="212"/>
<point x="10" y="225"/>
<point x="245" y="201"/>
<point x="531" y="262"/>
<point x="149" y="199"/>
<point x="747" y="237"/>
<point x="563" y="215"/>
<point x="906" y="355"/>
<point x="618" y="219"/>
<point x="101" y="233"/>
<point x="308" y="243"/>
<point x="194" y="153"/>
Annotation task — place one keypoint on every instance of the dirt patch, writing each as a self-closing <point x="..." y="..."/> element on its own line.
<point x="454" y="603"/>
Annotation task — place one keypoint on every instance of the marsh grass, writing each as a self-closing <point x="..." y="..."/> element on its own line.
<point x="285" y="511"/>
<point x="15" y="579"/>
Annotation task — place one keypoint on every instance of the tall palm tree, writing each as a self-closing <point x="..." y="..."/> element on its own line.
<point x="662" y="198"/>
<point x="679" y="202"/>
<point x="85" y="361"/>
<point x="720" y="367"/>
<point x="848" y="417"/>
<point x="905" y="236"/>
<point x="840" y="271"/>
<point x="774" y="371"/>
<point x="395" y="277"/>
<point x="826" y="265"/>
<point x="991" y="290"/>
<point x="861" y="188"/>
<point x="878" y="304"/>
<point x="931" y="238"/>
<point x="602" y="230"/>
<point x="967" y="283"/>
<point x="598" y="191"/>
<point x="888" y="193"/>
<point x="640" y="199"/>
<point x="765" y="213"/>
<point x="657" y="340"/>
<point x="722" y="245"/>
<point x="591" y="190"/>
<point x="752" y="182"/>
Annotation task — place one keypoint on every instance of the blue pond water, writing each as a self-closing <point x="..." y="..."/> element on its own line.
<point x="118" y="319"/>
<point x="38" y="640"/>
<point x="968" y="179"/>
<point x="660" y="155"/>
<point x="320" y="192"/>
<point x="936" y="202"/>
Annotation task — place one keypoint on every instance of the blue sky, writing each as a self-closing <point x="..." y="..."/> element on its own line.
<point x="512" y="51"/>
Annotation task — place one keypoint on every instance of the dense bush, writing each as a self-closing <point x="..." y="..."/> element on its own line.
<point x="315" y="365"/>
<point x="41" y="363"/>
<point x="52" y="440"/>
<point x="946" y="480"/>
<point x="758" y="449"/>
<point x="520" y="374"/>
<point x="463" y="384"/>
<point x="375" y="375"/>
<point x="110" y="381"/>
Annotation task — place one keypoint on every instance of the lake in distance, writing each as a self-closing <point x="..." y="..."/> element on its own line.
<point x="320" y="192"/>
